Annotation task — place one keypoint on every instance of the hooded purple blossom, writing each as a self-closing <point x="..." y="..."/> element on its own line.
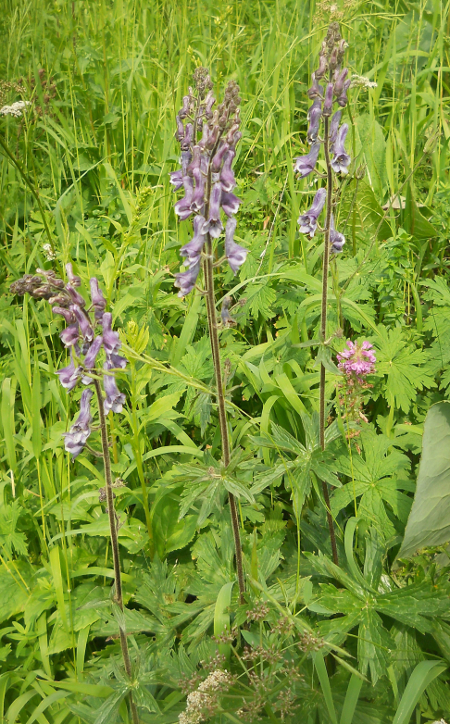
<point x="314" y="116"/>
<point x="84" y="323"/>
<point x="226" y="175"/>
<point x="337" y="240"/>
<point x="66" y="313"/>
<point x="176" y="179"/>
<point x="75" y="296"/>
<point x="235" y="254"/>
<point x="316" y="90"/>
<point x="334" y="125"/>
<point x="218" y="157"/>
<point x="69" y="376"/>
<point x="183" y="206"/>
<point x="91" y="356"/>
<point x="76" y="438"/>
<point x="308" y="221"/>
<point x="193" y="249"/>
<point x="342" y="100"/>
<point x="214" y="224"/>
<point x="322" y="69"/>
<point x="97" y="298"/>
<point x="230" y="203"/>
<point x="341" y="159"/>
<point x="185" y="281"/>
<point x="114" y="399"/>
<point x="111" y="340"/>
<point x="339" y="79"/>
<point x="304" y="165"/>
<point x="73" y="279"/>
<point x="328" y="102"/>
<point x="70" y="335"/>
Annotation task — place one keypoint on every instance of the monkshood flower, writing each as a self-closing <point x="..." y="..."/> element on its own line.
<point x="308" y="221"/>
<point x="88" y="332"/>
<point x="357" y="360"/>
<point x="341" y="159"/>
<point x="304" y="165"/>
<point x="337" y="240"/>
<point x="334" y="125"/>
<point x="206" y="172"/>
<point x="314" y="116"/>
<point x="185" y="281"/>
<point x="235" y="254"/>
<point x="76" y="438"/>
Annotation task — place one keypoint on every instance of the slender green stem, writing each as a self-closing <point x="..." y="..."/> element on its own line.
<point x="114" y="541"/>
<point x="212" y="321"/>
<point x="323" y="329"/>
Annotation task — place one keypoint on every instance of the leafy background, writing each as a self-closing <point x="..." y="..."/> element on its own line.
<point x="95" y="150"/>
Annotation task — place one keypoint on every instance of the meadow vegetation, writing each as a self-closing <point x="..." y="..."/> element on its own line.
<point x="352" y="629"/>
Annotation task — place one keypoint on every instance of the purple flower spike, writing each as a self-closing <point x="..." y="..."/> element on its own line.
<point x="214" y="225"/>
<point x="337" y="240"/>
<point x="84" y="323"/>
<point x="111" y="340"/>
<point x="69" y="376"/>
<point x="342" y="100"/>
<point x="91" y="356"/>
<point x="185" y="281"/>
<point x="341" y="160"/>
<point x="230" y="203"/>
<point x="226" y="175"/>
<point x="73" y="279"/>
<point x="193" y="250"/>
<point x="314" y="115"/>
<point x="328" y="103"/>
<point x="235" y="254"/>
<point x="70" y="335"/>
<point x="308" y="221"/>
<point x="183" y="206"/>
<point x="97" y="298"/>
<point x="176" y="179"/>
<point x="339" y="79"/>
<point x="76" y="438"/>
<point x="114" y="399"/>
<point x="334" y="125"/>
<point x="66" y="313"/>
<point x="316" y="90"/>
<point x="304" y="165"/>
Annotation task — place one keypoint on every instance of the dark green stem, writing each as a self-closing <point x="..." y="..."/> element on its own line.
<point x="323" y="330"/>
<point x="114" y="541"/>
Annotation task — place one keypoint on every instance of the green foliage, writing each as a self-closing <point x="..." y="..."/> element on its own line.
<point x="361" y="643"/>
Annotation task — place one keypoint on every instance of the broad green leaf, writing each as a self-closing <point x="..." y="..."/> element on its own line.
<point x="429" y="521"/>
<point x="421" y="677"/>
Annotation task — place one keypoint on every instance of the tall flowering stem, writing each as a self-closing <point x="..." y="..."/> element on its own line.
<point x="87" y="333"/>
<point x="208" y="181"/>
<point x="334" y="90"/>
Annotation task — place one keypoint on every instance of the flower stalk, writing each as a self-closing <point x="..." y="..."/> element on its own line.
<point x="208" y="181"/>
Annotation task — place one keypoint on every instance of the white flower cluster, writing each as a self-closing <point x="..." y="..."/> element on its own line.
<point x="15" y="109"/>
<point x="48" y="251"/>
<point x="205" y="698"/>
<point x="362" y="82"/>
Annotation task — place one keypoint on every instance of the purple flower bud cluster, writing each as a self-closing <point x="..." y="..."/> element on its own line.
<point x="324" y="96"/>
<point x="358" y="360"/>
<point x="88" y="330"/>
<point x="206" y="174"/>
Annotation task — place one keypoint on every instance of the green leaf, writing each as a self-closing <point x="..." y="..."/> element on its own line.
<point x="421" y="677"/>
<point x="429" y="521"/>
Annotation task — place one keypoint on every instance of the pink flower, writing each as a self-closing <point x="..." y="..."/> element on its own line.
<point x="358" y="360"/>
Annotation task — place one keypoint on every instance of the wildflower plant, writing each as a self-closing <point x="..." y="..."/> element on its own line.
<point x="356" y="362"/>
<point x="88" y="330"/>
<point x="329" y="95"/>
<point x="208" y="137"/>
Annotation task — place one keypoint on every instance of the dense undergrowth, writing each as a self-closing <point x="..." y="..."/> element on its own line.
<point x="85" y="179"/>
